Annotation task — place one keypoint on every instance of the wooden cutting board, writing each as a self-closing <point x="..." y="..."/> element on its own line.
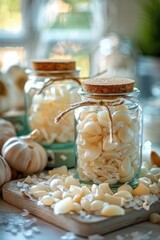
<point x="73" y="222"/>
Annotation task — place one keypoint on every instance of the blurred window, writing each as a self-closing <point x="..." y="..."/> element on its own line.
<point x="50" y="29"/>
<point x="13" y="33"/>
<point x="11" y="16"/>
<point x="12" y="56"/>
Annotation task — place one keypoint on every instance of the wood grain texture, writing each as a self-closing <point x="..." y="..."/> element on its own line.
<point x="73" y="222"/>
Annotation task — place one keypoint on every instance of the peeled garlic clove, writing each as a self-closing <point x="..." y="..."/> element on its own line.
<point x="155" y="170"/>
<point x="125" y="187"/>
<point x="77" y="198"/>
<point x="96" y="205"/>
<point x="83" y="144"/>
<point x="85" y="190"/>
<point x="60" y="170"/>
<point x="154" y="188"/>
<point x="103" y="118"/>
<point x="38" y="194"/>
<point x="129" y="177"/>
<point x="70" y="180"/>
<point x="110" y="154"/>
<point x="144" y="170"/>
<point x="64" y="206"/>
<point x="125" y="194"/>
<point x="90" y="116"/>
<point x="120" y="107"/>
<point x="125" y="168"/>
<point x="105" y="188"/>
<point x="146" y="181"/>
<point x="91" y="139"/>
<point x="92" y="128"/>
<point x="43" y="186"/>
<point x="77" y="207"/>
<point x="120" y="201"/>
<point x="152" y="177"/>
<point x="54" y="183"/>
<point x="107" y="146"/>
<point x="122" y="116"/>
<point x="84" y="114"/>
<point x="92" y="153"/>
<point x="85" y="204"/>
<point x="125" y="134"/>
<point x="47" y="200"/>
<point x="56" y="194"/>
<point x="141" y="189"/>
<point x="112" y="210"/>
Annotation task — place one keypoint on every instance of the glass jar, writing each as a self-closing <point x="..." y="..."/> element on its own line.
<point x="49" y="90"/>
<point x="115" y="54"/>
<point x="109" y="132"/>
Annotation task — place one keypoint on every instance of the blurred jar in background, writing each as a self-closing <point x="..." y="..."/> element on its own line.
<point x="12" y="104"/>
<point x="49" y="90"/>
<point x="148" y="75"/>
<point x="151" y="121"/>
<point x="151" y="116"/>
<point x="116" y="54"/>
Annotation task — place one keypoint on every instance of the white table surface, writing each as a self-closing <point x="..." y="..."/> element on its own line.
<point x="142" y="231"/>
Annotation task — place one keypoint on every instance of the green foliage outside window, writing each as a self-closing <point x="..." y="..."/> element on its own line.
<point x="149" y="27"/>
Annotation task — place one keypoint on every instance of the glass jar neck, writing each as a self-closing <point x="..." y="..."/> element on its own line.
<point x="130" y="98"/>
<point x="99" y="96"/>
<point x="63" y="74"/>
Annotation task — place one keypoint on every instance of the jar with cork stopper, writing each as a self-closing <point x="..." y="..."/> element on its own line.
<point x="108" y="132"/>
<point x="52" y="85"/>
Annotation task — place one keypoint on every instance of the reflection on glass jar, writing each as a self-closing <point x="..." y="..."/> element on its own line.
<point x="51" y="87"/>
<point x="109" y="133"/>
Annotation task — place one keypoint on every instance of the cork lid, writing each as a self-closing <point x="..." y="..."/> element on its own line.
<point x="108" y="85"/>
<point x="53" y="65"/>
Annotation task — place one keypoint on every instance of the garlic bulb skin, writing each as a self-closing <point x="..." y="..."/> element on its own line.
<point x="24" y="155"/>
<point x="5" y="171"/>
<point x="18" y="77"/>
<point x="7" y="130"/>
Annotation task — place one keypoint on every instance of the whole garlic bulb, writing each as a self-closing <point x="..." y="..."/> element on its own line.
<point x="7" y="130"/>
<point x="5" y="171"/>
<point x="5" y="93"/>
<point x="24" y="154"/>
